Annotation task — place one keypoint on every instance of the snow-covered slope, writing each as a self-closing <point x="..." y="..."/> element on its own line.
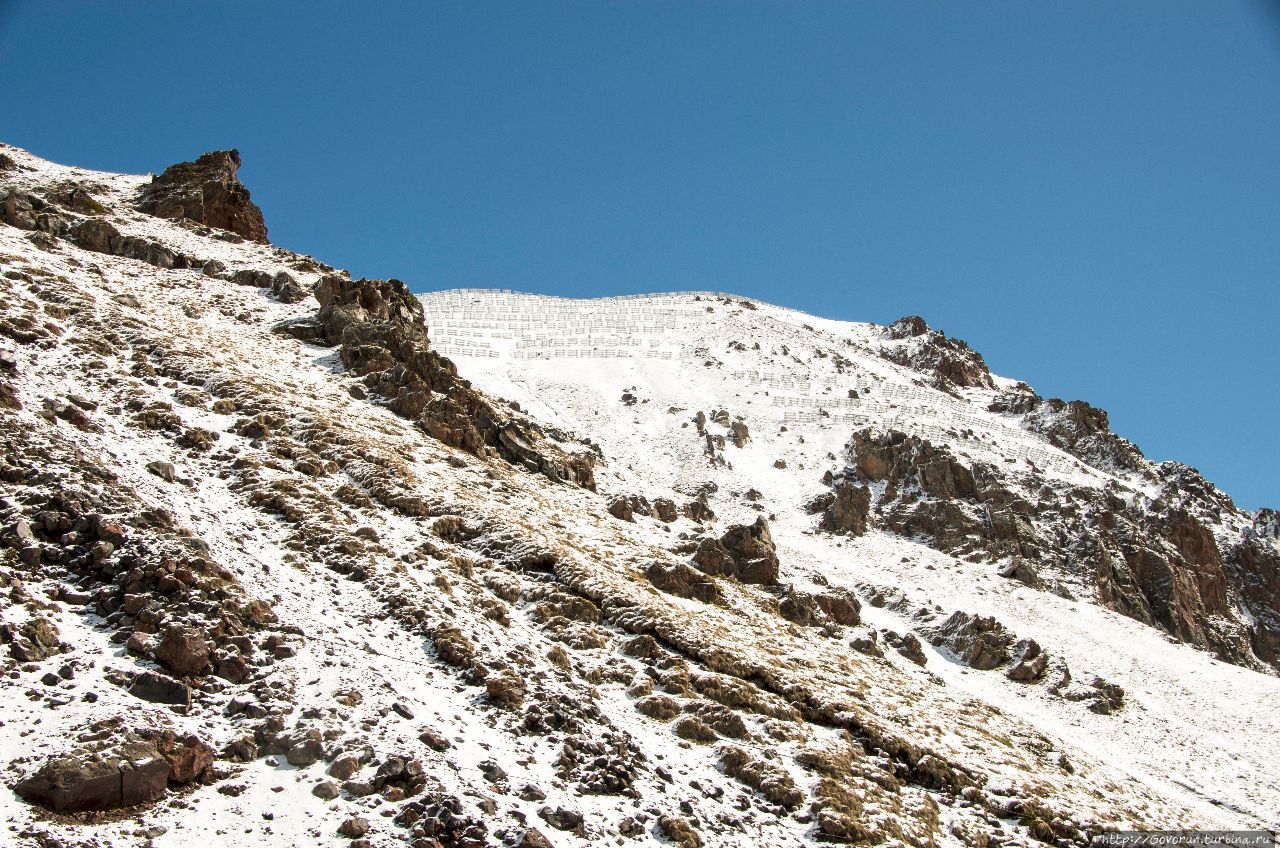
<point x="274" y="573"/>
<point x="634" y="372"/>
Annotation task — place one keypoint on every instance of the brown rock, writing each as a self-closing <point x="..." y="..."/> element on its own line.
<point x="354" y="827"/>
<point x="159" y="689"/>
<point x="122" y="776"/>
<point x="188" y="757"/>
<point x="345" y="767"/>
<point x="744" y="551"/>
<point x="205" y="191"/>
<point x="848" y="508"/>
<point x="183" y="651"/>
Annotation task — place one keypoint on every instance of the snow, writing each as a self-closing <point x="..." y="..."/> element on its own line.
<point x="1196" y="744"/>
<point x="1187" y="714"/>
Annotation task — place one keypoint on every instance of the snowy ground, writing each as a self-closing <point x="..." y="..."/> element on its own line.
<point x="1196" y="744"/>
<point x="1195" y="729"/>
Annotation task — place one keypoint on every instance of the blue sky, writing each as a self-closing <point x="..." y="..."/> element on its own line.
<point x="1088" y="193"/>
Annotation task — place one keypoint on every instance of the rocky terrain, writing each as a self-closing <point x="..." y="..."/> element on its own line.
<point x="294" y="558"/>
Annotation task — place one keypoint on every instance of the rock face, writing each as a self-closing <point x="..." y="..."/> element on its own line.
<point x="184" y="652"/>
<point x="1075" y="426"/>
<point x="745" y="552"/>
<point x="379" y="328"/>
<point x="134" y="773"/>
<point x="845" y="508"/>
<point x="1159" y="564"/>
<point x="208" y="192"/>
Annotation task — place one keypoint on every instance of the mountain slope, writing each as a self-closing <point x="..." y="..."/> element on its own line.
<point x="311" y="582"/>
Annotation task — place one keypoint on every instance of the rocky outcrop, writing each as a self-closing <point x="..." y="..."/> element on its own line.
<point x="1157" y="562"/>
<point x="1254" y="564"/>
<point x="950" y="363"/>
<point x="844" y="509"/>
<point x="207" y="192"/>
<point x="1081" y="430"/>
<point x="978" y="641"/>
<point x="379" y="328"/>
<point x="744" y="552"/>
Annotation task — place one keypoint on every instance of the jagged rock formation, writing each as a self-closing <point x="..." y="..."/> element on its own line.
<point x="950" y="363"/>
<point x="1159" y="562"/>
<point x="250" y="504"/>
<point x="208" y="192"/>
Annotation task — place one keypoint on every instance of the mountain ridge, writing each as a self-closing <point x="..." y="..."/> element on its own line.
<point x="256" y="513"/>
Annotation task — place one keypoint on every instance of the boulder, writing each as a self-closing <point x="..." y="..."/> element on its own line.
<point x="978" y="641"/>
<point x="847" y="510"/>
<point x="159" y="689"/>
<point x="287" y="289"/>
<point x="188" y="757"/>
<point x="183" y="651"/>
<point x="1030" y="663"/>
<point x="130" y="773"/>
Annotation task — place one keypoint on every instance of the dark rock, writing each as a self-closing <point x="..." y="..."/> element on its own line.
<point x="1030" y="662"/>
<point x="304" y="748"/>
<point x="950" y="362"/>
<point x="379" y="325"/>
<point x="665" y="510"/>
<point x="910" y="647"/>
<point x="18" y="209"/>
<point x="561" y="818"/>
<point x="505" y="689"/>
<point x="841" y="606"/>
<point x="205" y="191"/>
<point x="847" y="510"/>
<point x="287" y="289"/>
<point x="130" y="773"/>
<point x="1109" y="699"/>
<point x="164" y="470"/>
<point x="533" y="838"/>
<point x="159" y="689"/>
<point x="681" y="580"/>
<point x="978" y="641"/>
<point x="354" y="827"/>
<point x="745" y="552"/>
<point x="96" y="234"/>
<point x="345" y="767"/>
<point x="1023" y="571"/>
<point x="188" y="757"/>
<point x="302" y="329"/>
<point x="326" y="790"/>
<point x="183" y="651"/>
<point x="34" y="640"/>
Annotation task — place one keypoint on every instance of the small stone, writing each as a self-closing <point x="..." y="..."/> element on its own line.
<point x="354" y="827"/>
<point x="560" y="818"/>
<point x="164" y="470"/>
<point x="326" y="790"/>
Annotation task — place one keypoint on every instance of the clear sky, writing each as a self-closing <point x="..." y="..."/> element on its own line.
<point x="1088" y="193"/>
